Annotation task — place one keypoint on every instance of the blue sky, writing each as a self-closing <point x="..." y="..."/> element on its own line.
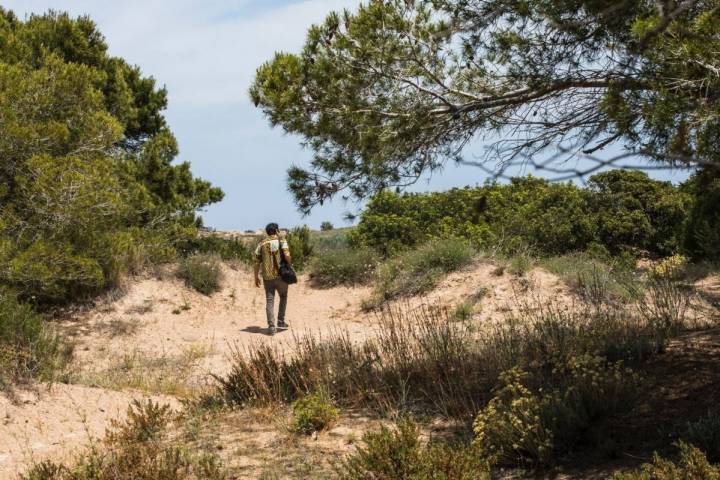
<point x="206" y="53"/>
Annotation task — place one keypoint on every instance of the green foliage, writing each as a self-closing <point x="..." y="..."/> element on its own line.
<point x="231" y="249"/>
<point x="28" y="349"/>
<point x="417" y="271"/>
<point x="692" y="465"/>
<point x="345" y="266"/>
<point x="313" y="413"/>
<point x="529" y="425"/>
<point x="400" y="454"/>
<point x="88" y="190"/>
<point x="375" y="120"/>
<point x="326" y="226"/>
<point x="634" y="211"/>
<point x="702" y="240"/>
<point x="301" y="246"/>
<point x="138" y="448"/>
<point x="619" y="211"/>
<point x="203" y="272"/>
<point x="705" y="435"/>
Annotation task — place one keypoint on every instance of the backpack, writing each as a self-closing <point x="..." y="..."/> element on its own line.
<point x="287" y="273"/>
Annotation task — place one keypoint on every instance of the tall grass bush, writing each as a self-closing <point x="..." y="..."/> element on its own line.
<point x="28" y="348"/>
<point x="203" y="272"/>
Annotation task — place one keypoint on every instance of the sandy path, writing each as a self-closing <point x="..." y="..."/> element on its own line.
<point x="162" y="317"/>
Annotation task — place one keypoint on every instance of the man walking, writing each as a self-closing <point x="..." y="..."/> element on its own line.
<point x="267" y="257"/>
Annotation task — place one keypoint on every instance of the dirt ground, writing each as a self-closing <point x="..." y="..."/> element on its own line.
<point x="156" y="338"/>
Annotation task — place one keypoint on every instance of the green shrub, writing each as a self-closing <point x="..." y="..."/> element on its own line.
<point x="692" y="465"/>
<point x="301" y="246"/>
<point x="594" y="280"/>
<point x="326" y="226"/>
<point x="138" y="448"/>
<point x="28" y="349"/>
<point x="202" y="272"/>
<point x="702" y="235"/>
<point x="705" y="435"/>
<point x="348" y="266"/>
<point x="399" y="454"/>
<point x="417" y="271"/>
<point x="313" y="413"/>
<point x="230" y="249"/>
<point x="463" y="311"/>
<point x="531" y="420"/>
<point x="621" y="210"/>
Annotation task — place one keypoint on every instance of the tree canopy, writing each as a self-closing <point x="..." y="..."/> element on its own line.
<point x="88" y="187"/>
<point x="395" y="89"/>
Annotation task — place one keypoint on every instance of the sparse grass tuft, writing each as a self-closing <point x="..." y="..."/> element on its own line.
<point x="138" y="448"/>
<point x="463" y="311"/>
<point x="202" y="272"/>
<point x="313" y="413"/>
<point x="164" y="374"/>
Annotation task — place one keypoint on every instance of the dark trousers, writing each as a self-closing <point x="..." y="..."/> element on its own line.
<point x="272" y="286"/>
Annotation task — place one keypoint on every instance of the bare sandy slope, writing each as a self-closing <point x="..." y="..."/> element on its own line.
<point x="57" y="422"/>
<point x="158" y="317"/>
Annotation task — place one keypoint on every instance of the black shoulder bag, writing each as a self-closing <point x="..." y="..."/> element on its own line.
<point x="287" y="273"/>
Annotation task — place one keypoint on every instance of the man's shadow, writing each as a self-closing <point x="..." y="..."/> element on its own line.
<point x="259" y="330"/>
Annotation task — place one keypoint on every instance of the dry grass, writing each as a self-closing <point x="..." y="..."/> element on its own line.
<point x="137" y="370"/>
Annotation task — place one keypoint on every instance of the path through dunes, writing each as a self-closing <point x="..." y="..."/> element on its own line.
<point x="159" y="339"/>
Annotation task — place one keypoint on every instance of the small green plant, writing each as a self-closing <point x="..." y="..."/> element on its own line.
<point x="463" y="311"/>
<point x="326" y="226"/>
<point x="705" y="435"/>
<point x="202" y="272"/>
<point x="692" y="465"/>
<point x="313" y="413"/>
<point x="400" y="454"/>
<point x="520" y="264"/>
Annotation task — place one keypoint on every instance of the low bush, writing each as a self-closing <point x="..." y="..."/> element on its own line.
<point x="343" y="267"/>
<point x="313" y="413"/>
<point x="417" y="271"/>
<point x="28" y="349"/>
<point x="202" y="272"/>
<point x="302" y="246"/>
<point x="400" y="454"/>
<point x="705" y="435"/>
<point x="692" y="465"/>
<point x="535" y="418"/>
<point x="138" y="448"/>
<point x="229" y="249"/>
<point x="463" y="311"/>
<point x="326" y="226"/>
<point x="595" y="280"/>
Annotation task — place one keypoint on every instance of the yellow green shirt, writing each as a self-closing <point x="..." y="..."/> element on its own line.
<point x="266" y="251"/>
